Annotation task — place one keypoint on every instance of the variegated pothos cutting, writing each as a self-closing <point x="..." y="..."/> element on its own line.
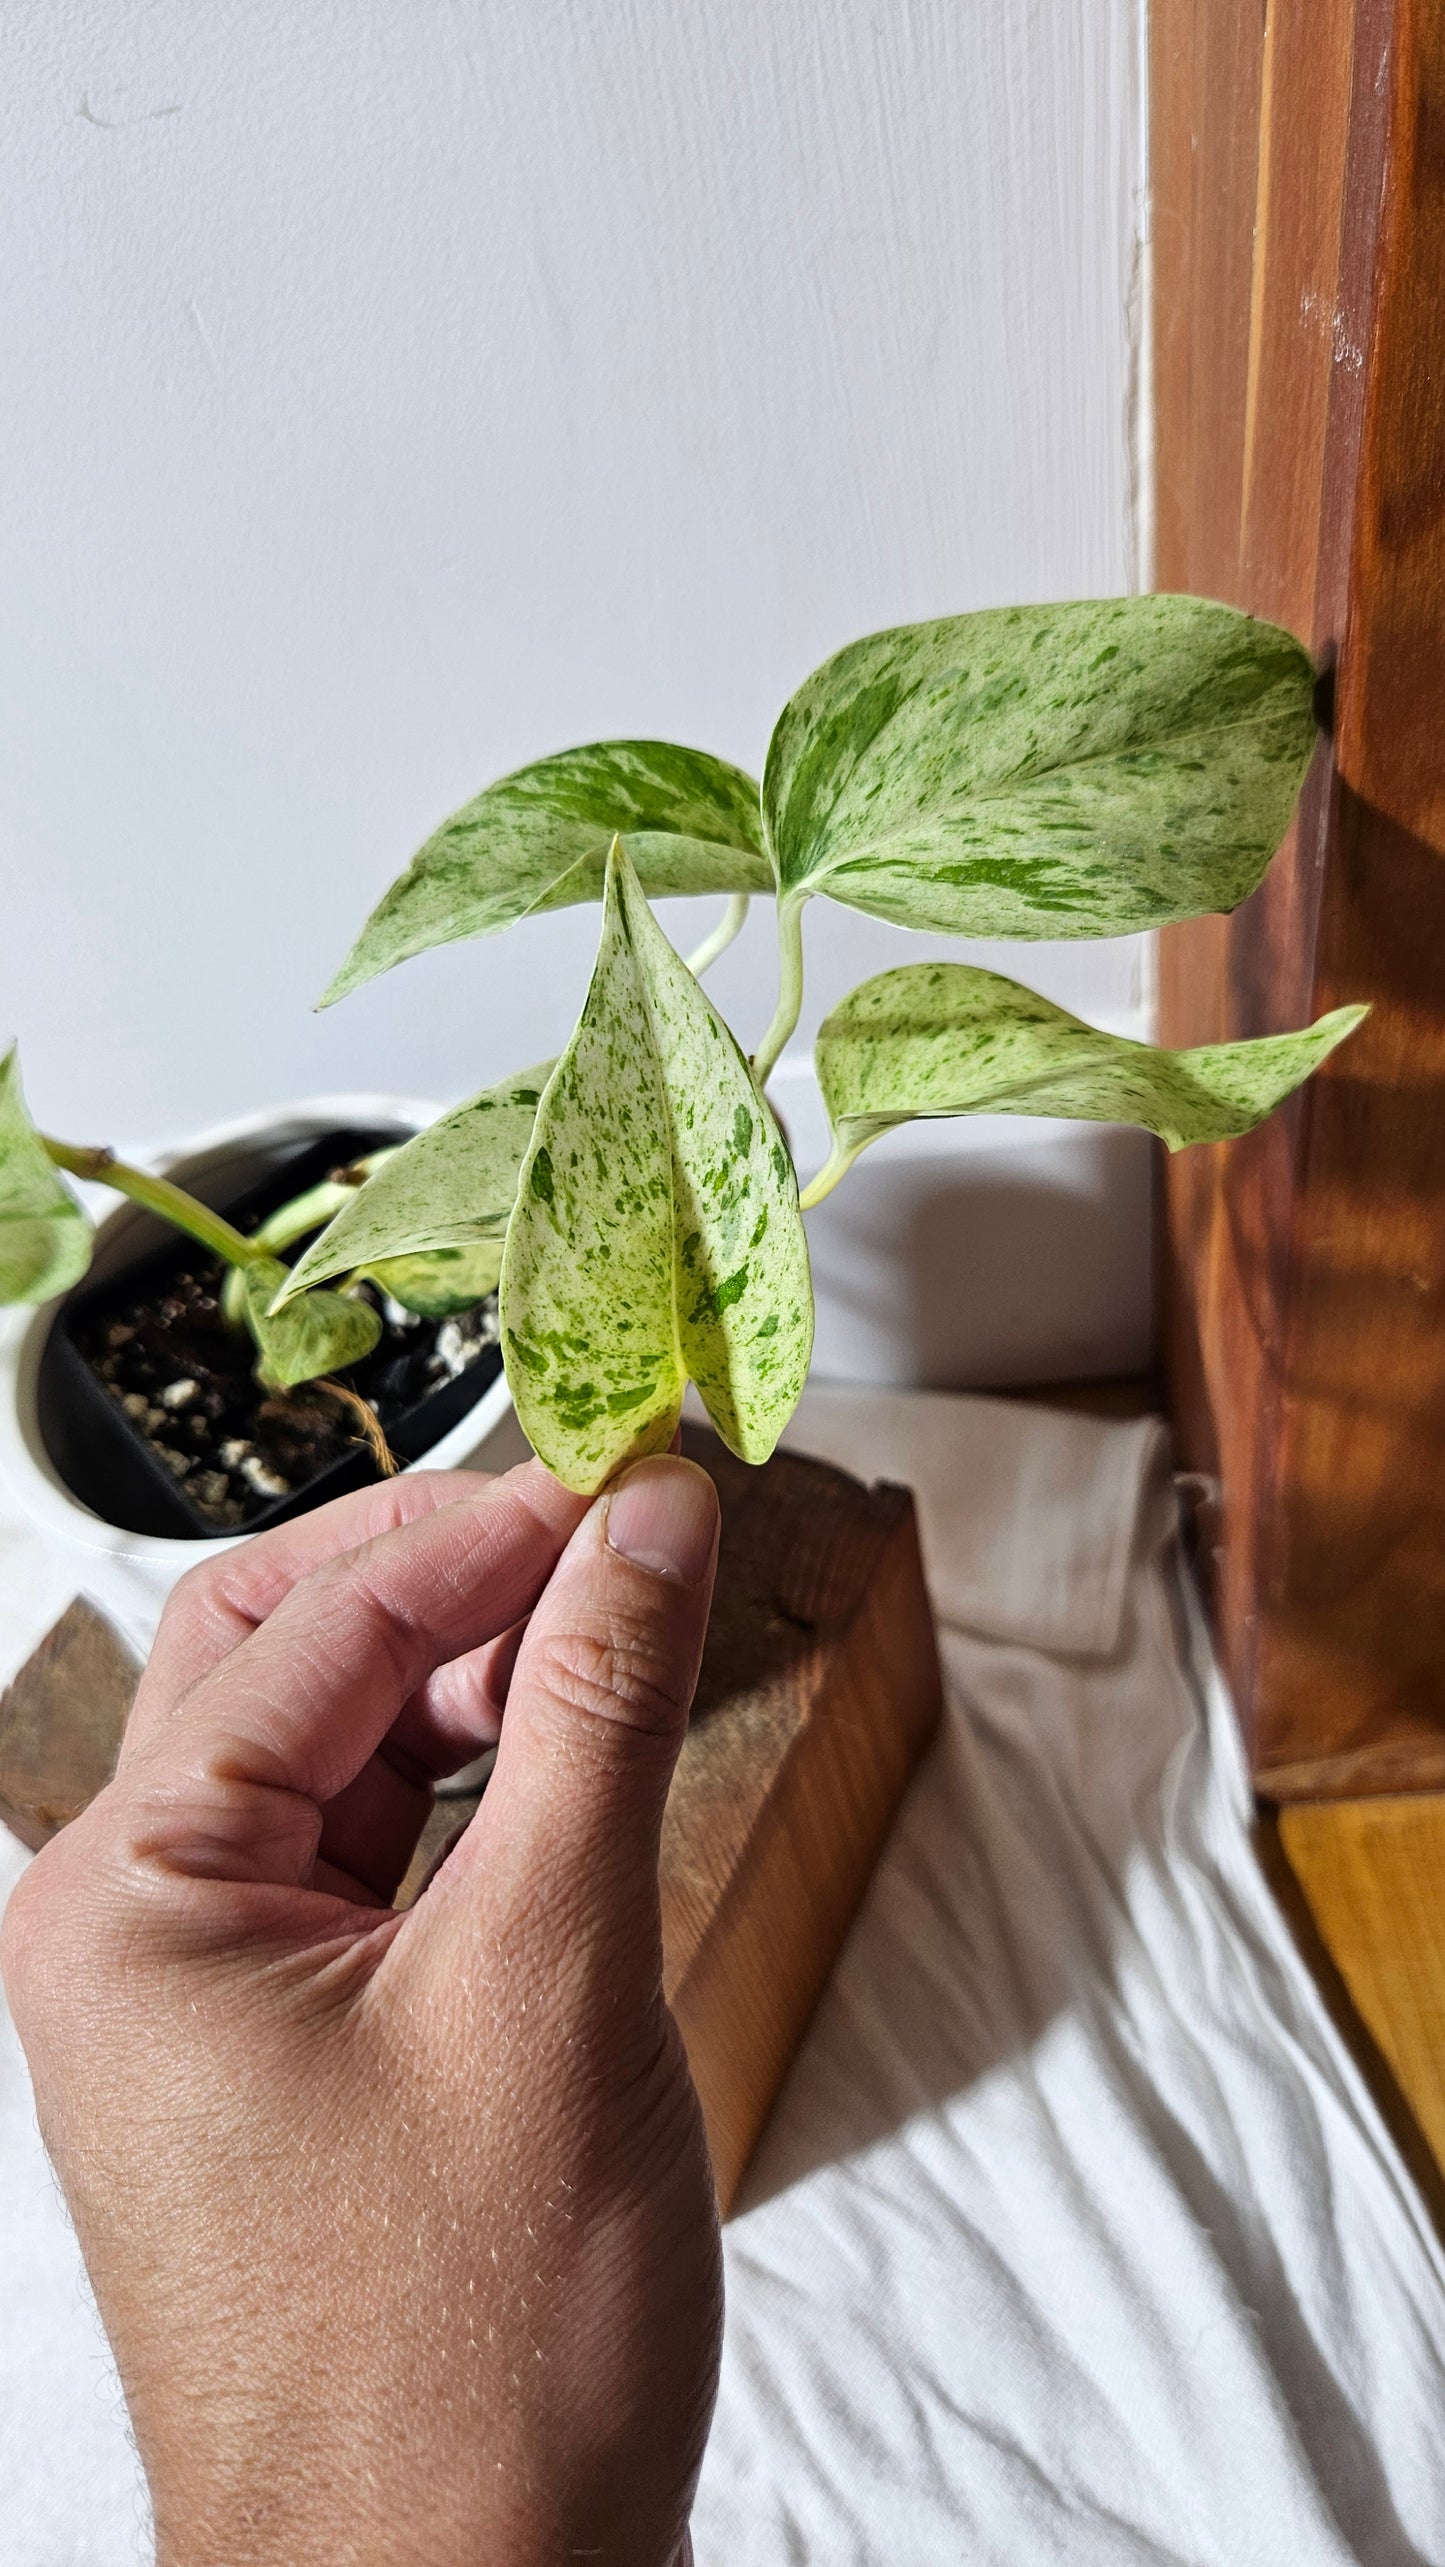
<point x="657" y="1237"/>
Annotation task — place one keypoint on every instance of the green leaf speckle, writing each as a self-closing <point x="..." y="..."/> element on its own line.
<point x="452" y="1186"/>
<point x="1073" y="770"/>
<point x="675" y="1262"/>
<point x="945" y="1038"/>
<point x="538" y="840"/>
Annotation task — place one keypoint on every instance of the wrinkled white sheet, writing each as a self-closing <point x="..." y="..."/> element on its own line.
<point x="1074" y="2236"/>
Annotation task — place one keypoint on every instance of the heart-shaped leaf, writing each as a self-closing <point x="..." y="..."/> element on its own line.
<point x="452" y="1186"/>
<point x="322" y="1332"/>
<point x="1073" y="770"/>
<point x="44" y="1235"/>
<point x="657" y="1235"/>
<point x="944" y="1038"/>
<point x="539" y="839"/>
<point x="441" y="1280"/>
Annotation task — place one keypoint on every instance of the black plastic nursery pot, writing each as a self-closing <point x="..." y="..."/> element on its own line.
<point x="142" y="1388"/>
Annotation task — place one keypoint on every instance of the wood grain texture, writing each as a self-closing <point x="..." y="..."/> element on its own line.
<point x="61" y="1721"/>
<point x="820" y="1690"/>
<point x="1300" y="281"/>
<point x="1390" y="728"/>
<point x="1373" y="1874"/>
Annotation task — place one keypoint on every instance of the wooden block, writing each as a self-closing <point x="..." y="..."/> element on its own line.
<point x="820" y="1689"/>
<point x="1373" y="1874"/>
<point x="61" y="1722"/>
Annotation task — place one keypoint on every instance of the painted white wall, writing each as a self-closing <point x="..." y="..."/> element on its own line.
<point x="396" y="393"/>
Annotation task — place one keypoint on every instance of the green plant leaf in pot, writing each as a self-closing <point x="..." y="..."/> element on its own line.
<point x="945" y="1038"/>
<point x="319" y="1332"/>
<point x="451" y="1186"/>
<point x="438" y="1281"/>
<point x="538" y="840"/>
<point x="45" y="1237"/>
<point x="656" y="1236"/>
<point x="1075" y="770"/>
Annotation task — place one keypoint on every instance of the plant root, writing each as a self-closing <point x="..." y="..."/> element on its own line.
<point x="372" y="1433"/>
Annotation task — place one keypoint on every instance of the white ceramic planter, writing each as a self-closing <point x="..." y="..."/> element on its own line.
<point x="222" y="1160"/>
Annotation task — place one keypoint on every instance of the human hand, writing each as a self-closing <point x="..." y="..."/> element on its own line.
<point x="402" y="2226"/>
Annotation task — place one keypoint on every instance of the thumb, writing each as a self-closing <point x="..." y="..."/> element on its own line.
<point x="598" y="1703"/>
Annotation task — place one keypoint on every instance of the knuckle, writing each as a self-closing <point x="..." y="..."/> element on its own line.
<point x="34" y="1931"/>
<point x="203" y="1608"/>
<point x="345" y="1600"/>
<point x="620" y="1672"/>
<point x="197" y="1585"/>
<point x="391" y="1628"/>
<point x="193" y="1594"/>
<point x="20" y="1930"/>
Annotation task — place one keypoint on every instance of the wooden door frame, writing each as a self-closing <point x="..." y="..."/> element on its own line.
<point x="1298" y="177"/>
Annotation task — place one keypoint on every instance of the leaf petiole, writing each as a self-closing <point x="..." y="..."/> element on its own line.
<point x="790" y="987"/>
<point x="292" y="1221"/>
<point x="728" y="928"/>
<point x="834" y="1168"/>
<point x="157" y="1194"/>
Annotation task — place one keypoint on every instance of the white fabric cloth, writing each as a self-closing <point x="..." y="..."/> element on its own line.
<point x="1074" y="2236"/>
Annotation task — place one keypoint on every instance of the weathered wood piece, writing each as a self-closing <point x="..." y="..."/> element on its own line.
<point x="1373" y="1874"/>
<point x="1300" y="330"/>
<point x="819" y="1691"/>
<point x="61" y="1722"/>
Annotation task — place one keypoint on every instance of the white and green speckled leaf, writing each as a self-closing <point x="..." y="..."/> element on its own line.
<point x="657" y="1237"/>
<point x="538" y="840"/>
<point x="44" y="1235"/>
<point x="1076" y="770"/>
<point x="452" y="1186"/>
<point x="322" y="1332"/>
<point x="439" y="1281"/>
<point x="944" y="1038"/>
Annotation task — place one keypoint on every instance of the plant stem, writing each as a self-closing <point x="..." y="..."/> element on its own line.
<point x="312" y="1210"/>
<point x="209" y="1229"/>
<point x="827" y="1177"/>
<point x="790" y="986"/>
<point x="729" y="926"/>
<point x="291" y="1221"/>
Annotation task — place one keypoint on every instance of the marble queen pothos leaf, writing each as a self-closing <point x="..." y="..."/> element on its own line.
<point x="945" y="1038"/>
<point x="1074" y="770"/>
<point x="319" y="1332"/>
<point x="657" y="1237"/>
<point x="438" y="1281"/>
<point x="44" y="1235"/>
<point x="538" y="840"/>
<point x="452" y="1185"/>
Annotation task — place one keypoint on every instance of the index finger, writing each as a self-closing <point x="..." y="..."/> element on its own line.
<point x="220" y="1602"/>
<point x="288" y="1719"/>
<point x="218" y="1606"/>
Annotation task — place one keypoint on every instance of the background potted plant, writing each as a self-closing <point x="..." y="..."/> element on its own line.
<point x="156" y="1407"/>
<point x="628" y="1217"/>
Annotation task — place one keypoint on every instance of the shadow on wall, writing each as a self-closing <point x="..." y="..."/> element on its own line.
<point x="1020" y="1252"/>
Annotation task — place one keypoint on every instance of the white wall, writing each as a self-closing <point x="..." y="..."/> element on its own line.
<point x="396" y="392"/>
